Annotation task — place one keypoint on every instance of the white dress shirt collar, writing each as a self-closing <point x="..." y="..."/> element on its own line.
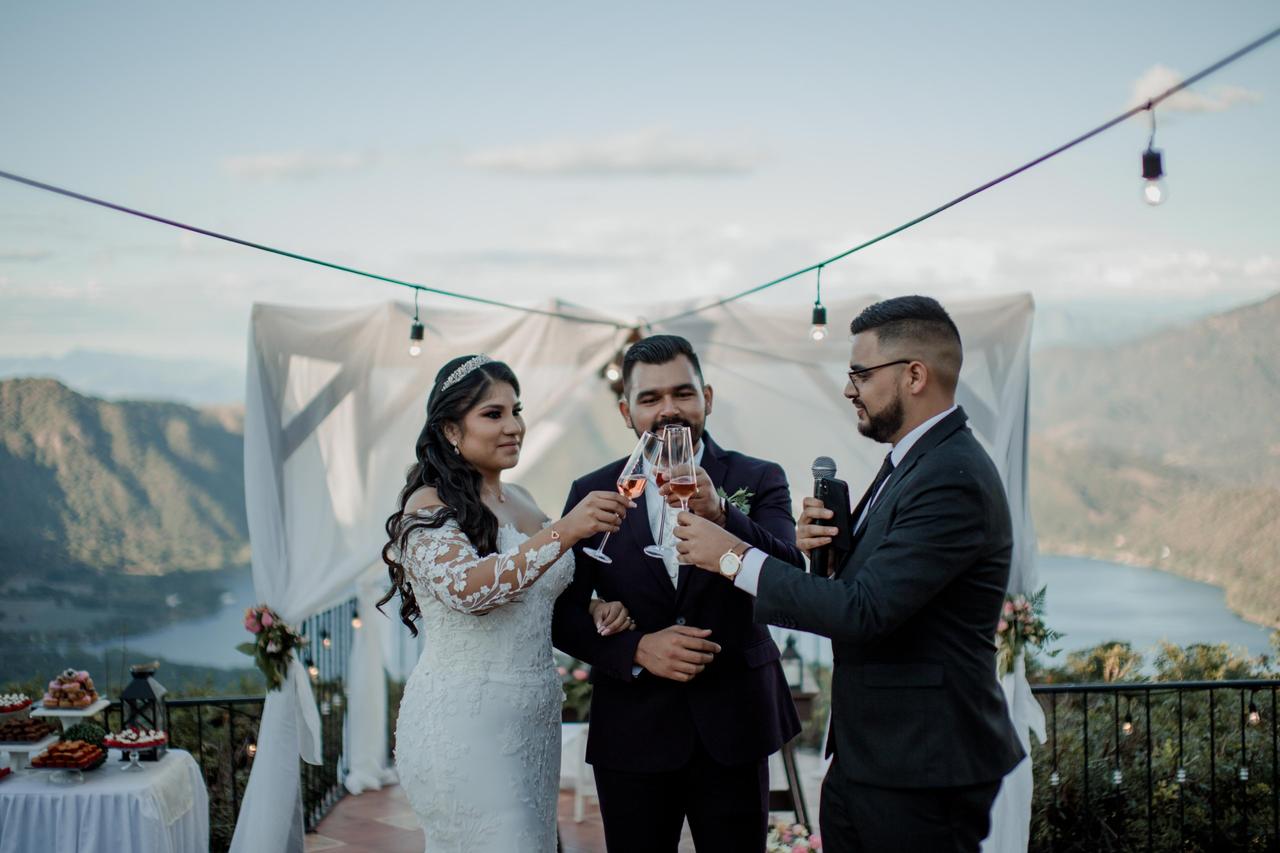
<point x="904" y="445"/>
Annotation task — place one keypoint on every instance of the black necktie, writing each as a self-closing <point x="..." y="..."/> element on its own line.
<point x="883" y="474"/>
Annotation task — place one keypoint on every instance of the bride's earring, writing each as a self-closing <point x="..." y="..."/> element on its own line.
<point x="455" y="447"/>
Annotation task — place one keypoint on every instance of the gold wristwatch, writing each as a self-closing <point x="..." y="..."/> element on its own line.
<point x="731" y="560"/>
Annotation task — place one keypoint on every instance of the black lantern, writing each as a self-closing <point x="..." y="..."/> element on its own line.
<point x="142" y="705"/>
<point x="792" y="665"/>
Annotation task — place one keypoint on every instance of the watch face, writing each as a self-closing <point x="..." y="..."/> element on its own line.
<point x="730" y="564"/>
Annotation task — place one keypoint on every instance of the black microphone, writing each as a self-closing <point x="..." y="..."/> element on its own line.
<point x="824" y="469"/>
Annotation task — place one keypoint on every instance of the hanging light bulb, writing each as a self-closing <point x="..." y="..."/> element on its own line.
<point x="324" y="639"/>
<point x="613" y="372"/>
<point x="1153" y="189"/>
<point x="355" y="619"/>
<point x="417" y="331"/>
<point x="312" y="669"/>
<point x="1127" y="725"/>
<point x="818" y="329"/>
<point x="1254" y="717"/>
<point x="252" y="749"/>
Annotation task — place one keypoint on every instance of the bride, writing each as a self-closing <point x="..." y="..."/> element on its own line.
<point x="476" y="560"/>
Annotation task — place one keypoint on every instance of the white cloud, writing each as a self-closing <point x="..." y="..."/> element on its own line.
<point x="1159" y="78"/>
<point x="652" y="152"/>
<point x="296" y="165"/>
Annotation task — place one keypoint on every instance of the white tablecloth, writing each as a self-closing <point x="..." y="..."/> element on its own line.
<point x="163" y="809"/>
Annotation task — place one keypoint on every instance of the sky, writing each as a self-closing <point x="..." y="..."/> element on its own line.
<point x="617" y="156"/>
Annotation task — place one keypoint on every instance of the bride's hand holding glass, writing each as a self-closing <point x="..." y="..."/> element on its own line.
<point x="597" y="512"/>
<point x="631" y="482"/>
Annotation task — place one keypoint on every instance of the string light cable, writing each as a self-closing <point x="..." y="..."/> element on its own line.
<point x="417" y="287"/>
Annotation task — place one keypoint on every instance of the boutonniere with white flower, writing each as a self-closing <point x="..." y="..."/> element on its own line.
<point x="740" y="499"/>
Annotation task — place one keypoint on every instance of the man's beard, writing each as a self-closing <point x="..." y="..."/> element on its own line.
<point x="695" y="432"/>
<point x="883" y="425"/>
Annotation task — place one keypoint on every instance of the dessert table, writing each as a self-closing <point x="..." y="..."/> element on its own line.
<point x="162" y="809"/>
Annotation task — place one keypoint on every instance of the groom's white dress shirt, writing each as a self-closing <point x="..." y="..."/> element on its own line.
<point x="653" y="503"/>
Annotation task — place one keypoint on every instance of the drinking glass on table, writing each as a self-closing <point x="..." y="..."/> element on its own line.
<point x="631" y="482"/>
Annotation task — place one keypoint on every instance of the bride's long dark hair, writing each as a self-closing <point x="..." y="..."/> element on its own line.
<point x="455" y="480"/>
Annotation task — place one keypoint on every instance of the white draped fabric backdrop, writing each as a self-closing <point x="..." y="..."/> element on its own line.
<point x="335" y="403"/>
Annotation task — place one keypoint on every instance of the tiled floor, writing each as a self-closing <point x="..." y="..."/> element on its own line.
<point x="382" y="822"/>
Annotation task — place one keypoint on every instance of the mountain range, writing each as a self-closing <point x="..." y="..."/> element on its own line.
<point x="130" y="487"/>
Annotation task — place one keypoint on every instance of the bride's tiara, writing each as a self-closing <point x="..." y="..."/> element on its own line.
<point x="465" y="368"/>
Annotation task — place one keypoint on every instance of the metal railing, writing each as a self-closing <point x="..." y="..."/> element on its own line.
<point x="331" y="634"/>
<point x="1185" y="765"/>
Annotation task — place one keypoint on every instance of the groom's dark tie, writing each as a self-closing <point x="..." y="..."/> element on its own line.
<point x="883" y="474"/>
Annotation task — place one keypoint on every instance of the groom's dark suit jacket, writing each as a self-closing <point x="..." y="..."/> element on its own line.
<point x="739" y="707"/>
<point x="912" y="619"/>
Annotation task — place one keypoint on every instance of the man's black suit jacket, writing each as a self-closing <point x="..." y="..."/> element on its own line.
<point x="740" y="706"/>
<point x="912" y="619"/>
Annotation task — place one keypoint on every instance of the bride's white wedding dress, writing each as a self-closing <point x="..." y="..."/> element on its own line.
<point x="478" y="737"/>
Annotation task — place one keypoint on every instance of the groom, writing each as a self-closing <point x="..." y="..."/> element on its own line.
<point x="685" y="709"/>
<point x="919" y="729"/>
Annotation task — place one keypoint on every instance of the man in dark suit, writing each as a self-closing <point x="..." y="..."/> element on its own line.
<point x="920" y="733"/>
<point x="687" y="707"/>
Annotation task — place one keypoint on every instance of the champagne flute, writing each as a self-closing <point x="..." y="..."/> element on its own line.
<point x="660" y="549"/>
<point x="680" y="466"/>
<point x="631" y="482"/>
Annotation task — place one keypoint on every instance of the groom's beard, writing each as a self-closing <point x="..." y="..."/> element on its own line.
<point x="884" y="425"/>
<point x="695" y="433"/>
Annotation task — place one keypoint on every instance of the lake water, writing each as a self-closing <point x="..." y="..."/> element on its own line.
<point x="210" y="641"/>
<point x="1088" y="600"/>
<point x="1092" y="602"/>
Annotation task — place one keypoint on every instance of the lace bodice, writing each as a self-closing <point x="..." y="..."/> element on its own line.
<point x="486" y="615"/>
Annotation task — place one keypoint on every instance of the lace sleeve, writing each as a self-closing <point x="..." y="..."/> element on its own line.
<point x="444" y="561"/>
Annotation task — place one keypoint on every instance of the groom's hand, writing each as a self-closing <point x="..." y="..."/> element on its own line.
<point x="678" y="653"/>
<point x="705" y="502"/>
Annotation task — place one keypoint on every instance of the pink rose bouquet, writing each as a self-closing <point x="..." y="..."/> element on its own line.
<point x="574" y="677"/>
<point x="273" y="643"/>
<point x="1021" y="629"/>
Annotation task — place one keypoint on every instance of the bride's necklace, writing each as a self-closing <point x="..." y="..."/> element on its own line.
<point x="499" y="494"/>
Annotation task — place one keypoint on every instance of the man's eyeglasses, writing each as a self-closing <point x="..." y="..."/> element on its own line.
<point x="858" y="377"/>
